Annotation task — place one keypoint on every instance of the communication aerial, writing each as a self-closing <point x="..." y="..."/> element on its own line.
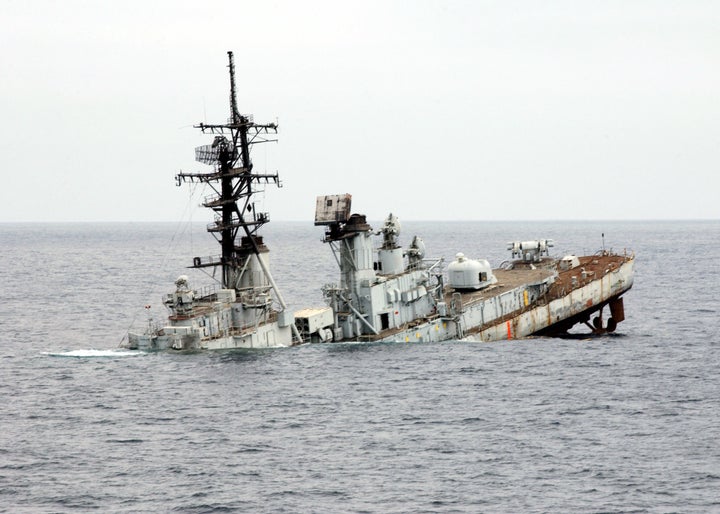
<point x="234" y="183"/>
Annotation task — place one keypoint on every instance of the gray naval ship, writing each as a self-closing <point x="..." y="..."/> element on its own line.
<point x="384" y="292"/>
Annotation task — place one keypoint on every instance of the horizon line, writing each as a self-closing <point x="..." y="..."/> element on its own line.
<point x="310" y="221"/>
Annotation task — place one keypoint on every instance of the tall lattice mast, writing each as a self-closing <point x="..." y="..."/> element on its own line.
<point x="233" y="180"/>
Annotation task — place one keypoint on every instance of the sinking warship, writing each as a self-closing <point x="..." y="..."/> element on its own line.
<point x="385" y="292"/>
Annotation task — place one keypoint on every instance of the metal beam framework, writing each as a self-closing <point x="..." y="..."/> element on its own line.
<point x="233" y="181"/>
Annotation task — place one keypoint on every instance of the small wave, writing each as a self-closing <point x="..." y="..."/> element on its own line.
<point x="94" y="353"/>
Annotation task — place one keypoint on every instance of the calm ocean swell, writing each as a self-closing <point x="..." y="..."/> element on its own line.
<point x="624" y="423"/>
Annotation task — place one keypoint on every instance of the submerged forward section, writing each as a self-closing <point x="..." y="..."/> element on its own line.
<point x="245" y="309"/>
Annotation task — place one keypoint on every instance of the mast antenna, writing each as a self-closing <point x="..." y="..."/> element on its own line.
<point x="234" y="183"/>
<point x="233" y="99"/>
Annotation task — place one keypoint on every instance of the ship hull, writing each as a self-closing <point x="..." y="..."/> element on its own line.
<point x="269" y="335"/>
<point x="543" y="317"/>
<point x="476" y="317"/>
<point x="560" y="314"/>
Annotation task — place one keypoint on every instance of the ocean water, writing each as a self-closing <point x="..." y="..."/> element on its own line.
<point x="627" y="422"/>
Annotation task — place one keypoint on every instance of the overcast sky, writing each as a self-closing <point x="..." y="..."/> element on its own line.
<point x="473" y="110"/>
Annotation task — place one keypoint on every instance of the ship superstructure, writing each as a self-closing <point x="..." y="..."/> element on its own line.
<point x="246" y="309"/>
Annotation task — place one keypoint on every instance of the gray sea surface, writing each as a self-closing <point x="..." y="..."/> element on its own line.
<point x="627" y="422"/>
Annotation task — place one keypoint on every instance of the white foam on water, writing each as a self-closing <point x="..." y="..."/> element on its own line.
<point x="95" y="353"/>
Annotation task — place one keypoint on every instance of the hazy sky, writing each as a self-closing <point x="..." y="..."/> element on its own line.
<point x="499" y="110"/>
